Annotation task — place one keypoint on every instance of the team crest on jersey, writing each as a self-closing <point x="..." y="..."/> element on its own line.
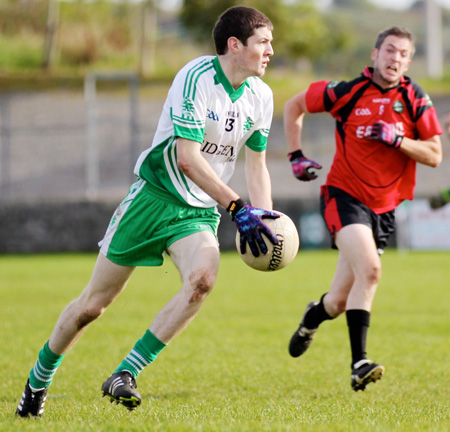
<point x="332" y="84"/>
<point x="248" y="124"/>
<point x="188" y="108"/>
<point x="398" y="107"/>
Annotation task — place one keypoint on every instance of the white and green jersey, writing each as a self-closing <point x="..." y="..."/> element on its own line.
<point x="203" y="106"/>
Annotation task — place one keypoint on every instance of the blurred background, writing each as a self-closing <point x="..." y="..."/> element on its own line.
<point x="82" y="84"/>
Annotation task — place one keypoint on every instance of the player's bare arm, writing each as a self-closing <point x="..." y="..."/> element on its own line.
<point x="427" y="152"/>
<point x="258" y="179"/>
<point x="294" y="112"/>
<point x="304" y="169"/>
<point x="193" y="165"/>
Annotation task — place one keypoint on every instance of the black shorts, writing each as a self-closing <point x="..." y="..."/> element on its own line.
<point x="339" y="209"/>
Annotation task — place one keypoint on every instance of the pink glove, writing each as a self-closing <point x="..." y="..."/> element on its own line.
<point x="302" y="167"/>
<point x="386" y="133"/>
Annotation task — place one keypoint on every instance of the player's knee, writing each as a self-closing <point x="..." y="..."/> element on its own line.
<point x="87" y="315"/>
<point x="202" y="284"/>
<point x="373" y="274"/>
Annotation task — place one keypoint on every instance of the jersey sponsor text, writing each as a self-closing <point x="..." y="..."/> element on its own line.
<point x="221" y="150"/>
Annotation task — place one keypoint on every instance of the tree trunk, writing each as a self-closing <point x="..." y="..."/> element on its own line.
<point x="52" y="25"/>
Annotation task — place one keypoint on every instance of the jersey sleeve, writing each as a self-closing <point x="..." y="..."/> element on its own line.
<point x="427" y="121"/>
<point x="330" y="96"/>
<point x="189" y="101"/>
<point x="258" y="139"/>
<point x="315" y="96"/>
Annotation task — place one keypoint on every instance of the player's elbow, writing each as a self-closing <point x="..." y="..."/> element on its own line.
<point x="436" y="160"/>
<point x="296" y="106"/>
<point x="434" y="152"/>
<point x="185" y="165"/>
<point x="433" y="160"/>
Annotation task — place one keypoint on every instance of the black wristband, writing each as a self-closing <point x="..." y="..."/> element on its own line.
<point x="235" y="206"/>
<point x="398" y="141"/>
<point x="295" y="155"/>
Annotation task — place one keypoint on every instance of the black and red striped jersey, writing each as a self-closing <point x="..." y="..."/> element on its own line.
<point x="379" y="176"/>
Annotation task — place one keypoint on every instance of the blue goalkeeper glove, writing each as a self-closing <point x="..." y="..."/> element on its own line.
<point x="250" y="226"/>
<point x="302" y="167"/>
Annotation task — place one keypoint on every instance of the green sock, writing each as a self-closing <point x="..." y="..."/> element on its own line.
<point x="143" y="353"/>
<point x="41" y="375"/>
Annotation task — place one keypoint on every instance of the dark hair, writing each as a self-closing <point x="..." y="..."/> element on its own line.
<point x="239" y="22"/>
<point x="395" y="31"/>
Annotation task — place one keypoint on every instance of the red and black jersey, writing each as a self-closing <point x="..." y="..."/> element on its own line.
<point x="379" y="176"/>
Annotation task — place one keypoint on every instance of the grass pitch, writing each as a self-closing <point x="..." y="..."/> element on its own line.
<point x="230" y="369"/>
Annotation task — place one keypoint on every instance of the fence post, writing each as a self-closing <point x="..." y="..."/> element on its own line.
<point x="92" y="148"/>
<point x="134" y="128"/>
<point x="5" y="148"/>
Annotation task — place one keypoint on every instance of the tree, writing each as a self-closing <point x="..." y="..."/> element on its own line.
<point x="52" y="25"/>
<point x="147" y="38"/>
<point x="299" y="28"/>
<point x="199" y="17"/>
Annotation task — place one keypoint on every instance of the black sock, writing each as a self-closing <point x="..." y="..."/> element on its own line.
<point x="316" y="315"/>
<point x="358" y="321"/>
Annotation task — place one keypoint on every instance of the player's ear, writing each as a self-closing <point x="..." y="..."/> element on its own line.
<point x="409" y="62"/>
<point x="234" y="44"/>
<point x="374" y="54"/>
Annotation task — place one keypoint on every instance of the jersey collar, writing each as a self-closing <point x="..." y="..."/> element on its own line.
<point x="220" y="78"/>
<point x="368" y="73"/>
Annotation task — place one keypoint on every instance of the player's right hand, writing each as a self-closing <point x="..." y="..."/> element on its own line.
<point x="250" y="225"/>
<point x="302" y="167"/>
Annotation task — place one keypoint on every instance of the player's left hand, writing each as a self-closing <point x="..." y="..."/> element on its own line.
<point x="440" y="200"/>
<point x="386" y="133"/>
<point x="250" y="225"/>
<point x="303" y="168"/>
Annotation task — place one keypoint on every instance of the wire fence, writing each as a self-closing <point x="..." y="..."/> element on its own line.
<point x="47" y="150"/>
<point x="46" y="147"/>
